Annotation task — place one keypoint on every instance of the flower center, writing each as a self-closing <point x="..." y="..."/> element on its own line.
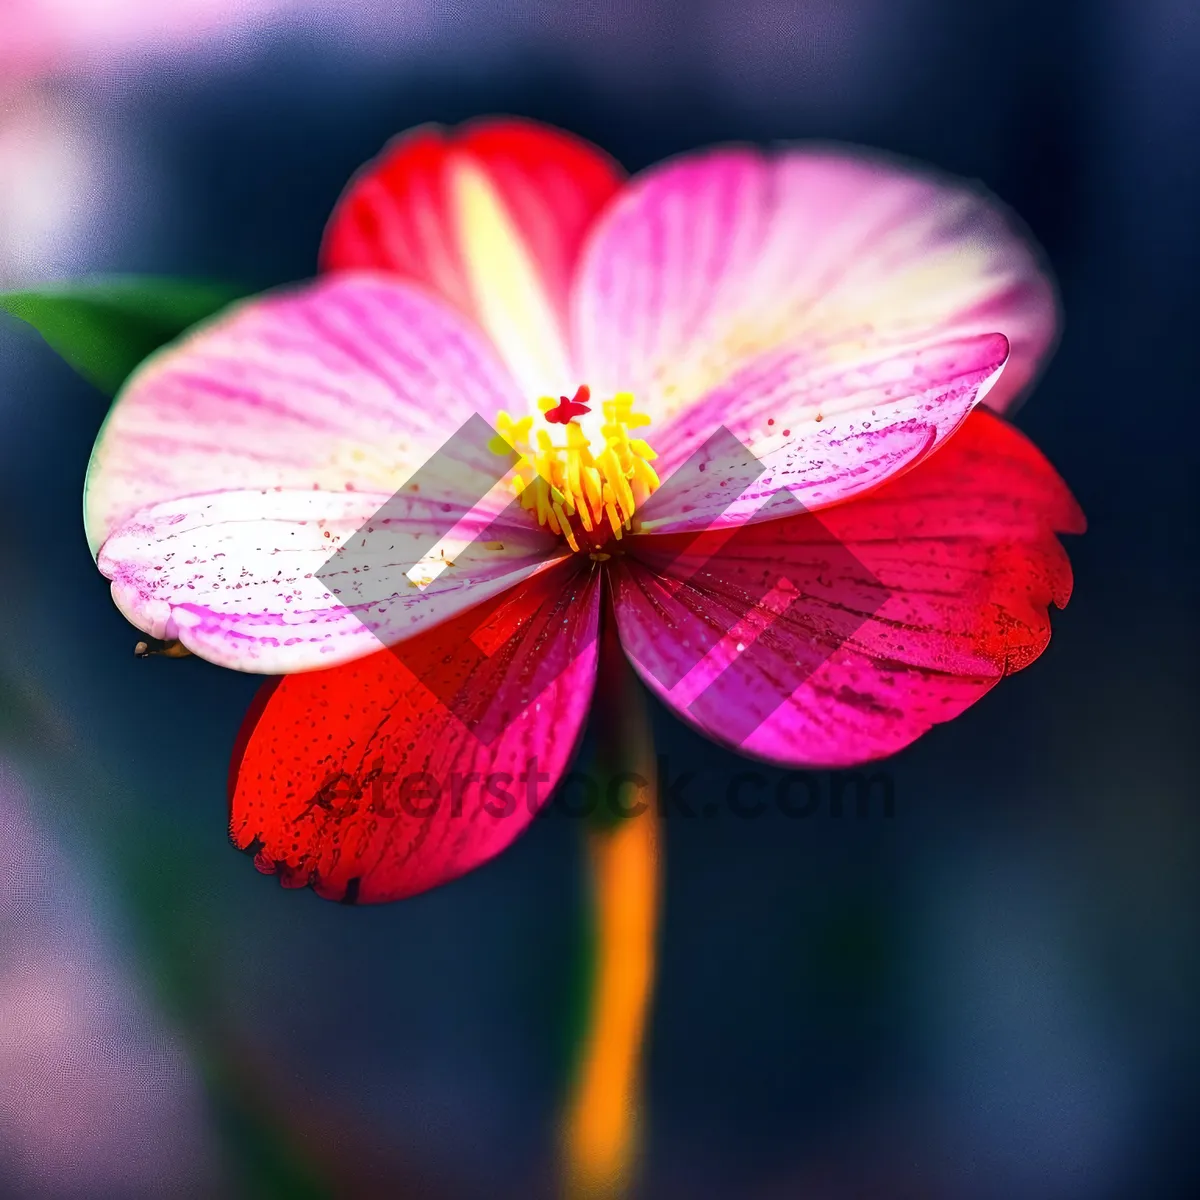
<point x="585" y="489"/>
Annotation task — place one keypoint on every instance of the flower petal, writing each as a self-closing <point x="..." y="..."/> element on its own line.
<point x="350" y="382"/>
<point x="364" y="783"/>
<point x="887" y="615"/>
<point x="850" y="429"/>
<point x="490" y="216"/>
<point x="714" y="259"/>
<point x="259" y="580"/>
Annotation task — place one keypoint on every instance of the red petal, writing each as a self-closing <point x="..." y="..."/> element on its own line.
<point x="361" y="783"/>
<point x="403" y="213"/>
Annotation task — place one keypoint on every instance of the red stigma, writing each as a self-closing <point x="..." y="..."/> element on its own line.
<point x="566" y="410"/>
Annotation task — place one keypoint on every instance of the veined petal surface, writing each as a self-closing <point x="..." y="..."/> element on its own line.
<point x="363" y="783"/>
<point x="714" y="259"/>
<point x="824" y="432"/>
<point x="257" y="581"/>
<point x="887" y="615"/>
<point x="349" y="383"/>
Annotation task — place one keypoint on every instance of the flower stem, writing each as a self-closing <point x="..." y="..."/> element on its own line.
<point x="601" y="1131"/>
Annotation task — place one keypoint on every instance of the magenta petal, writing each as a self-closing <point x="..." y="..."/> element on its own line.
<point x="255" y="581"/>
<point x="839" y="432"/>
<point x="349" y="383"/>
<point x="714" y="259"/>
<point x="864" y="625"/>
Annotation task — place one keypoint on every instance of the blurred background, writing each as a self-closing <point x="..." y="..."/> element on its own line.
<point x="991" y="994"/>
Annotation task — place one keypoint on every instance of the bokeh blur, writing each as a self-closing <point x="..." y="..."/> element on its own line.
<point x="989" y="995"/>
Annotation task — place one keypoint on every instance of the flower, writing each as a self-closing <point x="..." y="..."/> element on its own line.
<point x="840" y="314"/>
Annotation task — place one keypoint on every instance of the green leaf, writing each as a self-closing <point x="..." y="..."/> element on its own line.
<point x="104" y="327"/>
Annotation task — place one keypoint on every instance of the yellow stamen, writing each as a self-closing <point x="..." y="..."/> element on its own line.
<point x="614" y="520"/>
<point x="574" y="486"/>
<point x="565" y="527"/>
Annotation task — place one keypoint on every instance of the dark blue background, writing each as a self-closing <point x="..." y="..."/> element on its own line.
<point x="991" y="994"/>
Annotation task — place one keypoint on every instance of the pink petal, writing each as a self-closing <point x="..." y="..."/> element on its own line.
<point x="850" y="429"/>
<point x="711" y="260"/>
<point x="245" y="579"/>
<point x="347" y="383"/>
<point x="886" y="615"/>
<point x="369" y="785"/>
<point x="490" y="216"/>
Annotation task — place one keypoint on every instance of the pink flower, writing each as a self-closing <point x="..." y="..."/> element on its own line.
<point x="840" y="314"/>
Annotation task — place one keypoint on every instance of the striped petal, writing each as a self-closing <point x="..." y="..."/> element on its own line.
<point x="279" y="580"/>
<point x="834" y="641"/>
<point x="375" y="780"/>
<point x="715" y="259"/>
<point x="349" y="383"/>
<point x="824" y="432"/>
<point x="490" y="216"/>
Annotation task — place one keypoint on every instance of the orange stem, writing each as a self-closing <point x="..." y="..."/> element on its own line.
<point x="602" y="1127"/>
